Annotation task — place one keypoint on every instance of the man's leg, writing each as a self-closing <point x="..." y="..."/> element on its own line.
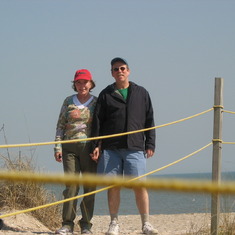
<point x="135" y="165"/>
<point x="142" y="200"/>
<point x="114" y="202"/>
<point x="110" y="164"/>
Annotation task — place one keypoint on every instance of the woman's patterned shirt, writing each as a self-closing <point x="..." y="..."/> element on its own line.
<point x="74" y="120"/>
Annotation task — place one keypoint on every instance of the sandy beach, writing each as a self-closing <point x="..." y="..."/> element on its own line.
<point x="177" y="224"/>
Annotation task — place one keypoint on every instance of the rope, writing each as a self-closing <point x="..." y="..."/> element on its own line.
<point x="223" y="142"/>
<point x="177" y="161"/>
<point x="218" y="106"/>
<point x="175" y="185"/>
<point x="103" y="137"/>
<point x="70" y="179"/>
<point x="154" y="184"/>
<point x="217" y="140"/>
<point x="226" y="111"/>
<point x="58" y="180"/>
<point x="33" y="177"/>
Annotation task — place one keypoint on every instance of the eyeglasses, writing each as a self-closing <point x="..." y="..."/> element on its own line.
<point x="117" y="69"/>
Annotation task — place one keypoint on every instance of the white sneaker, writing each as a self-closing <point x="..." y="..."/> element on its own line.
<point x="64" y="231"/>
<point x="113" y="228"/>
<point x="149" y="229"/>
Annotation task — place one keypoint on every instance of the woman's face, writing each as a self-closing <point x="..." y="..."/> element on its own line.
<point x="83" y="86"/>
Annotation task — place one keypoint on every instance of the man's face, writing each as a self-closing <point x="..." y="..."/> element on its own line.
<point x="120" y="72"/>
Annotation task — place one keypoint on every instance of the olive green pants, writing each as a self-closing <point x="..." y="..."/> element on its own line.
<point x="76" y="159"/>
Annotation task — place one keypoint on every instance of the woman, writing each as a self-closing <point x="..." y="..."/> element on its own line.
<point x="75" y="123"/>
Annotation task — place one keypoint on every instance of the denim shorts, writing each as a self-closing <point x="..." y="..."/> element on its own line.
<point x="122" y="161"/>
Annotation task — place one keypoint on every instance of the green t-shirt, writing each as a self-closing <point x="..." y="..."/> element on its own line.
<point x="124" y="92"/>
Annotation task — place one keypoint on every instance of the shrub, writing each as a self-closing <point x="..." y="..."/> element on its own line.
<point x="24" y="195"/>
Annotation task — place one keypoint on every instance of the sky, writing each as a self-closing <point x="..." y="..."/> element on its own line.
<point x="175" y="49"/>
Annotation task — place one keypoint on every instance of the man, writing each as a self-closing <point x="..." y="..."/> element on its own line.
<point x="121" y="107"/>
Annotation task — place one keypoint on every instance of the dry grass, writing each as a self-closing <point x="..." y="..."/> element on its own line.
<point x="21" y="195"/>
<point x="227" y="226"/>
<point x="195" y="230"/>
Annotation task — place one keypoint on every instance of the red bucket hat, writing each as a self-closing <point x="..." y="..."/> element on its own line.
<point x="82" y="74"/>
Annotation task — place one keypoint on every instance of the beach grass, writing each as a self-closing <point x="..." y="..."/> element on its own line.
<point x="24" y="195"/>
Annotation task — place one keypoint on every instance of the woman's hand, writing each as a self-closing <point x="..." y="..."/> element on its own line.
<point x="58" y="156"/>
<point x="95" y="155"/>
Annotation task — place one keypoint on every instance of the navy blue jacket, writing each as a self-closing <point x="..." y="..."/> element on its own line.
<point x="114" y="115"/>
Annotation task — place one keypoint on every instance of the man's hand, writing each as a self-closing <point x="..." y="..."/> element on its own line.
<point x="149" y="153"/>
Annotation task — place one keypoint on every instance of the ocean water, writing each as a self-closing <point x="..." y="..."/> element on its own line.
<point x="164" y="202"/>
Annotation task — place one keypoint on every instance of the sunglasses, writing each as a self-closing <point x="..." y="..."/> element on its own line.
<point x="117" y="69"/>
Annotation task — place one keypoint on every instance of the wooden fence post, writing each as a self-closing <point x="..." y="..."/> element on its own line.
<point x="217" y="152"/>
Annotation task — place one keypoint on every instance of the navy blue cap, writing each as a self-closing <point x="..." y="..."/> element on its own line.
<point x="118" y="59"/>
